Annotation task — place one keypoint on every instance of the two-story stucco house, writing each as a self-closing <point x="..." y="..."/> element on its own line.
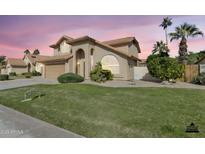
<point x="79" y="55"/>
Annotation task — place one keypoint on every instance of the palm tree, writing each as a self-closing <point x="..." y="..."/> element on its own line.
<point x="36" y="52"/>
<point x="26" y="52"/>
<point x="165" y="24"/>
<point x="161" y="48"/>
<point x="183" y="32"/>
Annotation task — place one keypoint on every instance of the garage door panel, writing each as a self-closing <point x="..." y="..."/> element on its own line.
<point x="53" y="71"/>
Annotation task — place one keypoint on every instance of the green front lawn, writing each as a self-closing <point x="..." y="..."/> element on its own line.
<point x="94" y="111"/>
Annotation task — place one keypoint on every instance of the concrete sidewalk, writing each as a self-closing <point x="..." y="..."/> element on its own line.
<point x="14" y="124"/>
<point x="140" y="83"/>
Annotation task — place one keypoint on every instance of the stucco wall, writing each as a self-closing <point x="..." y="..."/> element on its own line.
<point x="123" y="48"/>
<point x="64" y="48"/>
<point x="133" y="49"/>
<point x="40" y="67"/>
<point x="18" y="70"/>
<point x="86" y="48"/>
<point x="100" y="52"/>
<point x="126" y="68"/>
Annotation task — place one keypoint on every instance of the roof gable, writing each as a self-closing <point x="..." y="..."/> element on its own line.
<point x="33" y="58"/>
<point x="67" y="38"/>
<point x="123" y="41"/>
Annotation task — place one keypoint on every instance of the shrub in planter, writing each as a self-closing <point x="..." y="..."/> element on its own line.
<point x="164" y="68"/>
<point x="12" y="74"/>
<point x="70" y="78"/>
<point x="35" y="73"/>
<point x="4" y="77"/>
<point x="200" y="79"/>
<point x="98" y="74"/>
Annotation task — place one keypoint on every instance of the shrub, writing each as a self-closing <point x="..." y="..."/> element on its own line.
<point x="27" y="74"/>
<point x="98" y="74"/>
<point x="200" y="79"/>
<point x="4" y="77"/>
<point x="12" y="74"/>
<point x="35" y="73"/>
<point x="164" y="68"/>
<point x="70" y="78"/>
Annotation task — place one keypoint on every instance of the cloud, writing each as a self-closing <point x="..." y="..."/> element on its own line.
<point x="29" y="32"/>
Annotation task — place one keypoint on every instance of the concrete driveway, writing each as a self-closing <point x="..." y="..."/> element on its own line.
<point x="14" y="124"/>
<point x="25" y="82"/>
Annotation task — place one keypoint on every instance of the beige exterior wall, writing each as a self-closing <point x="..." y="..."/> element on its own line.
<point x="40" y="67"/>
<point x="86" y="48"/>
<point x="123" y="48"/>
<point x="126" y="70"/>
<point x="129" y="49"/>
<point x="133" y="49"/>
<point x="100" y="52"/>
<point x="64" y="48"/>
<point x="18" y="70"/>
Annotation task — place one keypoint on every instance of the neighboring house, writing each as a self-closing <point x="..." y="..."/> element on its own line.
<point x="14" y="65"/>
<point x="31" y="61"/>
<point x="81" y="54"/>
<point x="27" y="64"/>
<point x="201" y="64"/>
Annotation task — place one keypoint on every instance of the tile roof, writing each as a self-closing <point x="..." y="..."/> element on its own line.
<point x="108" y="44"/>
<point x="56" y="58"/>
<point x="84" y="38"/>
<point x="114" y="42"/>
<point x="16" y="62"/>
<point x="64" y="37"/>
<point x="34" y="58"/>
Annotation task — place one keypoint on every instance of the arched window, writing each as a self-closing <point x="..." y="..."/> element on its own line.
<point x="111" y="63"/>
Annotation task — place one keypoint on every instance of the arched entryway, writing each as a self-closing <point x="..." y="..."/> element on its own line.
<point x="80" y="62"/>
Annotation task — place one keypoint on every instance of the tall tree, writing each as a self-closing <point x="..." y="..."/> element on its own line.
<point x="165" y="24"/>
<point x="161" y="48"/>
<point x="2" y="60"/>
<point x="36" y="52"/>
<point x="183" y="32"/>
<point x="27" y="52"/>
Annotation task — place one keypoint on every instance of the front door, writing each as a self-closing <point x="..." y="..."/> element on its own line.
<point x="80" y="62"/>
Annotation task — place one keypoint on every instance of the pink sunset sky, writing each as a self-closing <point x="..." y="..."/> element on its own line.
<point x="18" y="33"/>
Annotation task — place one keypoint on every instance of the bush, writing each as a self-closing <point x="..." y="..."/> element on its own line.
<point x="164" y="68"/>
<point x="100" y="75"/>
<point x="12" y="74"/>
<point x="35" y="73"/>
<point x="4" y="77"/>
<point x="70" y="78"/>
<point x="200" y="79"/>
<point x="27" y="74"/>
